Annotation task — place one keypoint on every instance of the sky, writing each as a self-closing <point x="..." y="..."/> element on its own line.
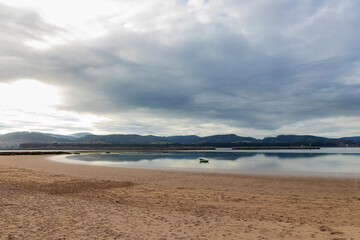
<point x="180" y="67"/>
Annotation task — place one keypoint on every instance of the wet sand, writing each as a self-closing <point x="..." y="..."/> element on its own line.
<point x="42" y="199"/>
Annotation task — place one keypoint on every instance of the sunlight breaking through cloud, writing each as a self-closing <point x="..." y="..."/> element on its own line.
<point x="29" y="105"/>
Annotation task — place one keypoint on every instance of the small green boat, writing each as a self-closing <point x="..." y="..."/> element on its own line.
<point x="203" y="160"/>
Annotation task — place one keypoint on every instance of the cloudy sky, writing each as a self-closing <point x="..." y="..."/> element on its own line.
<point x="177" y="67"/>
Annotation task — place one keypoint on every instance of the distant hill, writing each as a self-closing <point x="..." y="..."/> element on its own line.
<point x="120" y="139"/>
<point x="69" y="137"/>
<point x="357" y="139"/>
<point x="189" y="139"/>
<point x="16" y="138"/>
<point x="150" y="139"/>
<point x="295" y="139"/>
<point x="80" y="135"/>
<point x="227" y="140"/>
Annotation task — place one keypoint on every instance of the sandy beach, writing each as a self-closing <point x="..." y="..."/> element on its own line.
<point x="42" y="199"/>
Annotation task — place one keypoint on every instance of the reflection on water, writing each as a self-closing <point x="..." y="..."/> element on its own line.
<point x="340" y="161"/>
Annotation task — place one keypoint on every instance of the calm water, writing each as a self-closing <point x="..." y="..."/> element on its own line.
<point x="326" y="161"/>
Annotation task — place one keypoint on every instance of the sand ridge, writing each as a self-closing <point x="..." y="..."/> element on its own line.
<point x="46" y="200"/>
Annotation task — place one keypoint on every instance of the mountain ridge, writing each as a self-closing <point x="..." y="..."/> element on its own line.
<point x="16" y="138"/>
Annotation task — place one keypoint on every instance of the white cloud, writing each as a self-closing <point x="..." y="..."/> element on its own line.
<point x="28" y="94"/>
<point x="28" y="105"/>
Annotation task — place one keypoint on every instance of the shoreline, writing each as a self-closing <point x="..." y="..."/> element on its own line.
<point x="44" y="164"/>
<point x="276" y="148"/>
<point x="48" y="164"/>
<point x="58" y="200"/>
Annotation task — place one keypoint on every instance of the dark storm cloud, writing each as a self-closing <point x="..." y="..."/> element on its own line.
<point x="247" y="65"/>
